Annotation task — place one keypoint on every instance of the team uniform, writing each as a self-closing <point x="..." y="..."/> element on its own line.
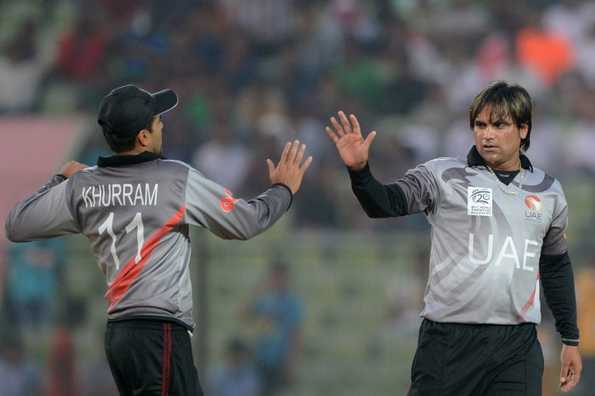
<point x="495" y="238"/>
<point x="136" y="211"/>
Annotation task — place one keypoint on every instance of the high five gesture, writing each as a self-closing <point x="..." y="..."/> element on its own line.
<point x="351" y="145"/>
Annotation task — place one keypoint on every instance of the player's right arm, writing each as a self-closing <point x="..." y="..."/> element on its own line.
<point x="211" y="206"/>
<point x="413" y="193"/>
<point x="44" y="214"/>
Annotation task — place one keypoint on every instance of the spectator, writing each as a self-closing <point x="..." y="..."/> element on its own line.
<point x="22" y="68"/>
<point x="33" y="282"/>
<point x="238" y="376"/>
<point x="18" y="377"/>
<point x="279" y="315"/>
<point x="222" y="158"/>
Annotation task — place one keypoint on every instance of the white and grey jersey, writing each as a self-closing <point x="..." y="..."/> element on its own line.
<point x="486" y="240"/>
<point x="136" y="212"/>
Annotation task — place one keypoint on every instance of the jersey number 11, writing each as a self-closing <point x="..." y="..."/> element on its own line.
<point x="137" y="222"/>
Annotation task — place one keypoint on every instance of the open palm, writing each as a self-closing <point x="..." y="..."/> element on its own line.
<point x="348" y="139"/>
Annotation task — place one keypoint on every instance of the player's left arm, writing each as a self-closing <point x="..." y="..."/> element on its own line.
<point x="44" y="214"/>
<point x="557" y="280"/>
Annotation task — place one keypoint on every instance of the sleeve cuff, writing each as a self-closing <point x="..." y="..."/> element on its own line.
<point x="288" y="190"/>
<point x="570" y="341"/>
<point x="360" y="177"/>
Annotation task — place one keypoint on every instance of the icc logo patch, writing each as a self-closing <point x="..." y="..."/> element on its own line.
<point x="533" y="208"/>
<point x="479" y="201"/>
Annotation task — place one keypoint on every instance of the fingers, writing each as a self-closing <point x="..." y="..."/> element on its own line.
<point x="271" y="167"/>
<point x="565" y="376"/>
<point x="285" y="152"/>
<point x="569" y="384"/>
<point x="370" y="138"/>
<point x="571" y="379"/>
<point x="293" y="152"/>
<point x="338" y="128"/>
<point x="345" y="126"/>
<point x="300" y="154"/>
<point x="345" y="122"/>
<point x="355" y="123"/>
<point x="332" y="135"/>
<point x="304" y="167"/>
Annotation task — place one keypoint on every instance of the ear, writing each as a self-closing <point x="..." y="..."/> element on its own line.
<point x="144" y="138"/>
<point x="524" y="130"/>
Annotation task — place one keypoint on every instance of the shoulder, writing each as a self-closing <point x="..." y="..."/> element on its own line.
<point x="179" y="166"/>
<point x="438" y="166"/>
<point x="538" y="181"/>
<point x="83" y="176"/>
<point x="446" y="162"/>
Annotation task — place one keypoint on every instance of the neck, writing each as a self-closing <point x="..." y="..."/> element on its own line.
<point x="134" y="151"/>
<point x="512" y="165"/>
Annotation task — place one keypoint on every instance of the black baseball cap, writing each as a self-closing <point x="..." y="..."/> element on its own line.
<point x="127" y="110"/>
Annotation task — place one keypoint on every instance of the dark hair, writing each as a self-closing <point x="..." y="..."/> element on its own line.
<point x="506" y="100"/>
<point x="120" y="143"/>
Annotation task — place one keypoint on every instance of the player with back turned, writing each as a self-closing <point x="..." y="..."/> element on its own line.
<point x="135" y="208"/>
<point x="498" y="235"/>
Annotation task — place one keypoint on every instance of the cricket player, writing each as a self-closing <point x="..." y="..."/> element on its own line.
<point x="498" y="235"/>
<point x="135" y="208"/>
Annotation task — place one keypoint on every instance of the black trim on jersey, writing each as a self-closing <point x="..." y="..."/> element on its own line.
<point x="378" y="200"/>
<point x="506" y="177"/>
<point x="475" y="159"/>
<point x="152" y="318"/>
<point x="122" y="160"/>
<point x="557" y="280"/>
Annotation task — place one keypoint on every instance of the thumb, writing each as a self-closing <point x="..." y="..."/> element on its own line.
<point x="370" y="138"/>
<point x="271" y="167"/>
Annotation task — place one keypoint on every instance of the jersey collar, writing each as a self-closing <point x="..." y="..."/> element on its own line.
<point x="475" y="159"/>
<point x="122" y="160"/>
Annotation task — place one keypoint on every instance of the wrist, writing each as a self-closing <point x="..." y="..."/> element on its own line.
<point x="358" y="167"/>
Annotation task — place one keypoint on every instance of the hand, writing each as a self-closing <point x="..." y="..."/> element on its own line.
<point x="349" y="141"/>
<point x="71" y="167"/>
<point x="570" y="372"/>
<point x="290" y="169"/>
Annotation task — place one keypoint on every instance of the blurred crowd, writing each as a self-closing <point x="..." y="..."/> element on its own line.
<point x="253" y="74"/>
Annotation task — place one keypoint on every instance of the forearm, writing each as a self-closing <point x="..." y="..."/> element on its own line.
<point x="377" y="200"/>
<point x="42" y="215"/>
<point x="557" y="280"/>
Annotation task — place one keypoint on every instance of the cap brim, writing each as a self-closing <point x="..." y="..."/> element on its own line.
<point x="165" y="100"/>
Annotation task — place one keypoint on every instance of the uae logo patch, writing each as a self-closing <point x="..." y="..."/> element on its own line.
<point x="479" y="201"/>
<point x="534" y="208"/>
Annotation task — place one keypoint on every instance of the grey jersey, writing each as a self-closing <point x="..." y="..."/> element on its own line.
<point x="487" y="238"/>
<point x="136" y="213"/>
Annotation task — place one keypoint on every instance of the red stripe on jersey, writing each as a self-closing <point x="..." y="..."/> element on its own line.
<point x="132" y="270"/>
<point x="531" y="300"/>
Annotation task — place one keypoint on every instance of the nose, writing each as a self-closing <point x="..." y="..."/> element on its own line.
<point x="488" y="133"/>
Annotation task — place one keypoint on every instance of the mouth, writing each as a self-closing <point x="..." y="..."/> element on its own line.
<point x="488" y="148"/>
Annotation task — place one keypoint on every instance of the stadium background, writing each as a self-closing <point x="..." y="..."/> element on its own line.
<point x="252" y="74"/>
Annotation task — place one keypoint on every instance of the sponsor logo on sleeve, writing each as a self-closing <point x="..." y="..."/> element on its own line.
<point x="479" y="201"/>
<point x="228" y="202"/>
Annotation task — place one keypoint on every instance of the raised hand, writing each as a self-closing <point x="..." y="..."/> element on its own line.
<point x="347" y="136"/>
<point x="290" y="169"/>
<point x="71" y="167"/>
